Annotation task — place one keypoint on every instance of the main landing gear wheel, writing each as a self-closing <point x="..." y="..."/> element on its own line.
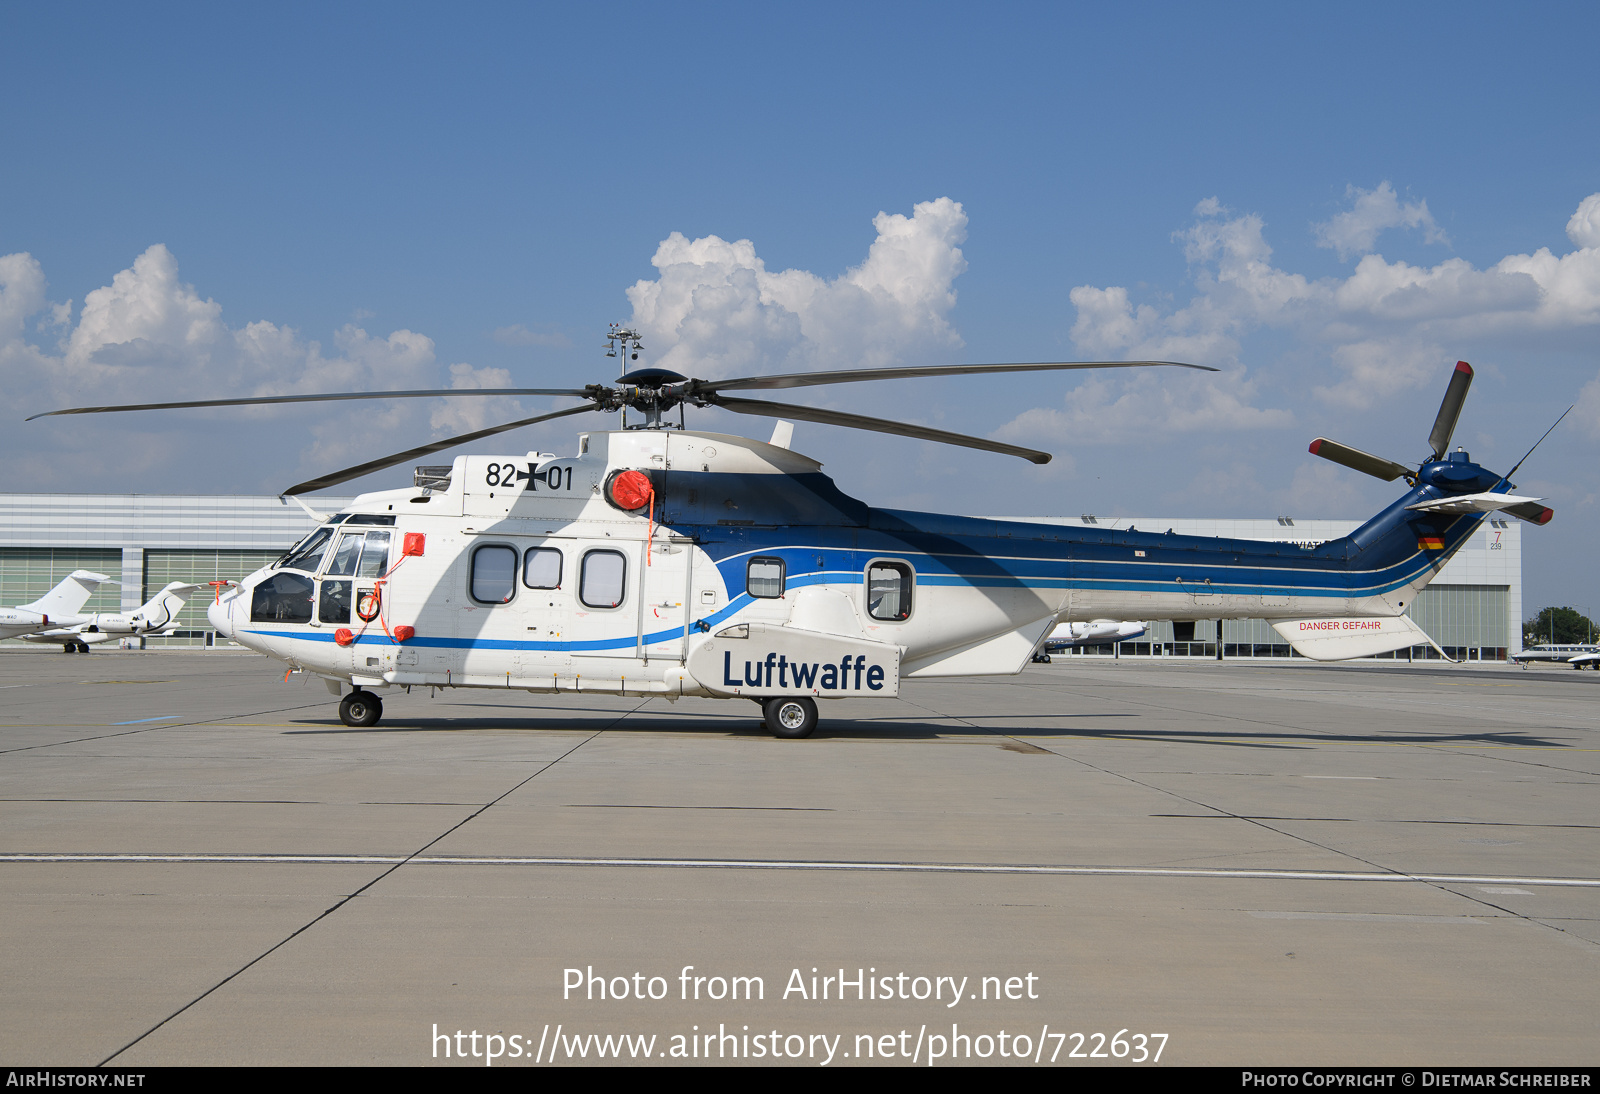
<point x="69" y="647"/>
<point x="83" y="647"/>
<point x="791" y="717"/>
<point x="360" y="709"/>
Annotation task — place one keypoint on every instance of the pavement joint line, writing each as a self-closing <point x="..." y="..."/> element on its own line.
<point x="1439" y="883"/>
<point x="1197" y="872"/>
<point x="342" y="901"/>
<point x="139" y="729"/>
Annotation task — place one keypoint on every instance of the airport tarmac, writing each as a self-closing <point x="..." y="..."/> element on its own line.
<point x="1229" y="863"/>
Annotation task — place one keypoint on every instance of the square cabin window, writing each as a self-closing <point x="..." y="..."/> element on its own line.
<point x="764" y="578"/>
<point x="602" y="580"/>
<point x="541" y="568"/>
<point x="889" y="591"/>
<point x="494" y="574"/>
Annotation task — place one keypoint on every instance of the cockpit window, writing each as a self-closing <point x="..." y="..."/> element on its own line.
<point x="308" y="555"/>
<point x="374" y="556"/>
<point x="344" y="559"/>
<point x="360" y="554"/>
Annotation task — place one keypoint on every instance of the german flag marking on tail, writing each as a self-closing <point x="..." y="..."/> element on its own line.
<point x="1430" y="543"/>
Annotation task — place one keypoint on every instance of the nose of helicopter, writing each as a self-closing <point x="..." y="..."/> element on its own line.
<point x="220" y="613"/>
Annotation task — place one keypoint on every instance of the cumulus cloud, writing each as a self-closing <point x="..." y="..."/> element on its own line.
<point x="519" y="335"/>
<point x="1356" y="230"/>
<point x="716" y="310"/>
<point x="148" y="335"/>
<point x="1584" y="227"/>
<point x="453" y="416"/>
<point x="1117" y="410"/>
<point x="1383" y="329"/>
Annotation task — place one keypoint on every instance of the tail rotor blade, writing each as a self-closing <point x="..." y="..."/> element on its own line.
<point x="1450" y="410"/>
<point x="1357" y="460"/>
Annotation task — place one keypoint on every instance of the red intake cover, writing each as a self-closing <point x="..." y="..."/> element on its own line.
<point x="344" y="636"/>
<point x="631" y="490"/>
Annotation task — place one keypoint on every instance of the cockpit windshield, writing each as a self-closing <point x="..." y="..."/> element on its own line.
<point x="307" y="555"/>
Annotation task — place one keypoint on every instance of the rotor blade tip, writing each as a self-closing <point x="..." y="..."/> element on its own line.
<point x="1462" y="366"/>
<point x="1042" y="458"/>
<point x="1316" y="444"/>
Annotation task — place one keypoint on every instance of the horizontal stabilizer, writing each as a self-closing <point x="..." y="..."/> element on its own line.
<point x="1340" y="639"/>
<point x="1532" y="512"/>
<point x="1476" y="503"/>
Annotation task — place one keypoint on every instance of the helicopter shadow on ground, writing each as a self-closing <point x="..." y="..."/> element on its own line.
<point x="700" y="723"/>
<point x="736" y="724"/>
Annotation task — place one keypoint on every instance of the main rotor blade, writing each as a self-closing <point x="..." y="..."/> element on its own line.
<point x="851" y="376"/>
<point x="426" y="450"/>
<point x="1449" y="410"/>
<point x="333" y="397"/>
<point x="858" y="421"/>
<point x="1365" y="462"/>
<point x="1532" y="512"/>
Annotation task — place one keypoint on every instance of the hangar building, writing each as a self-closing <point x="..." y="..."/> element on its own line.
<point x="1473" y="609"/>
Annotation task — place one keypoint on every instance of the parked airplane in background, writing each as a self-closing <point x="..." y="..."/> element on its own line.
<point x="159" y="615"/>
<point x="1100" y="632"/>
<point x="1577" y="656"/>
<point x="60" y="606"/>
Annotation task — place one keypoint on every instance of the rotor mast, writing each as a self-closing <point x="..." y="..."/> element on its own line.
<point x="644" y="389"/>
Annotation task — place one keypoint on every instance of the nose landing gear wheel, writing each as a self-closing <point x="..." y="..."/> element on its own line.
<point x="360" y="709"/>
<point x="790" y="717"/>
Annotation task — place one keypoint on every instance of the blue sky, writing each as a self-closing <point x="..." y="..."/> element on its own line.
<point x="1327" y="202"/>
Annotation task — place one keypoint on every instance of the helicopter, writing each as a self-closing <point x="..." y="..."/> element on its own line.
<point x="661" y="561"/>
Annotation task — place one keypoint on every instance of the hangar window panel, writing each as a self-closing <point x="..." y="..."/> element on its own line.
<point x="162" y="567"/>
<point x="27" y="573"/>
<point x="494" y="574"/>
<point x="764" y="577"/>
<point x="889" y="586"/>
<point x="602" y="583"/>
<point x="541" y="568"/>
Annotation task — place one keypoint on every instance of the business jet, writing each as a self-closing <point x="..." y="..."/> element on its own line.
<point x="61" y="606"/>
<point x="158" y="616"/>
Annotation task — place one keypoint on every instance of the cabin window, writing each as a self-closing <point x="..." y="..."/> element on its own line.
<point x="603" y="580"/>
<point x="282" y="598"/>
<point x="541" y="568"/>
<point x="494" y="574"/>
<point x="334" y="604"/>
<point x="889" y="591"/>
<point x="764" y="577"/>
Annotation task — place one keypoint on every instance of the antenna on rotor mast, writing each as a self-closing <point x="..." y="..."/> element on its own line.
<point x="630" y="352"/>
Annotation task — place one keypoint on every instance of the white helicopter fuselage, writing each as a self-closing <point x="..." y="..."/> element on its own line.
<point x="751" y="576"/>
